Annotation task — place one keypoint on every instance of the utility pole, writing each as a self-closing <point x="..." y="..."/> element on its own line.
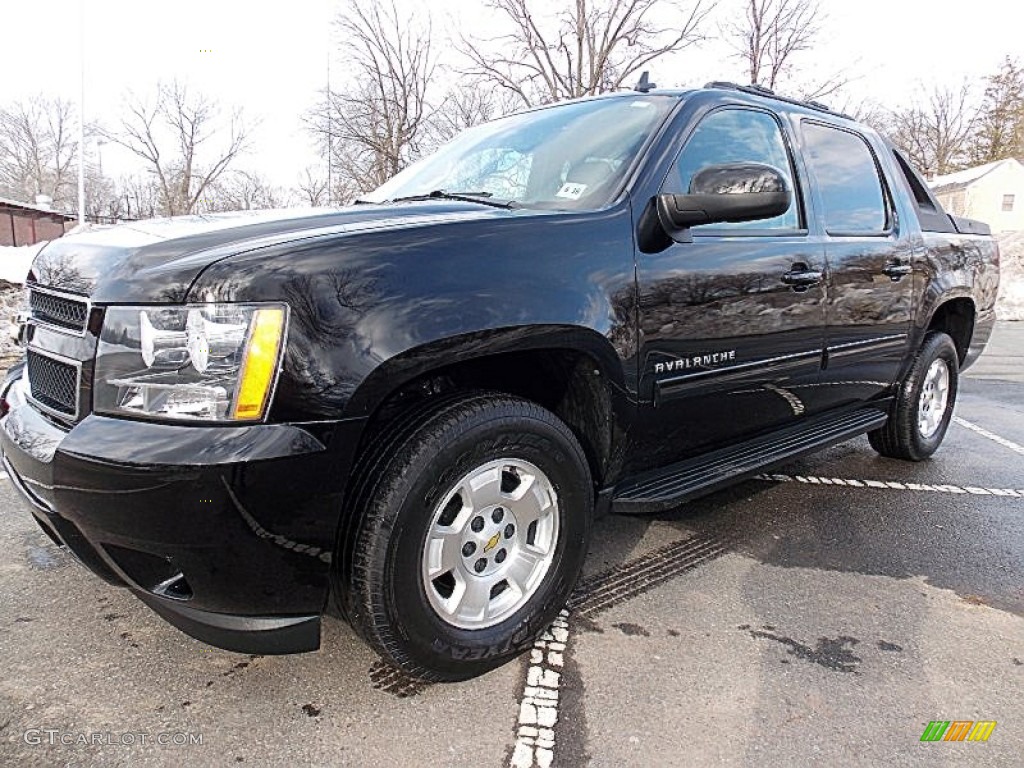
<point x="81" y="112"/>
<point x="330" y="130"/>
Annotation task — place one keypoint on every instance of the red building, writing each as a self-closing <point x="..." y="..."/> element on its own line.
<point x="26" y="224"/>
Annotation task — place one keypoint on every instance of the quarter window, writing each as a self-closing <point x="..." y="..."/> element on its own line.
<point x="847" y="177"/>
<point x="736" y="136"/>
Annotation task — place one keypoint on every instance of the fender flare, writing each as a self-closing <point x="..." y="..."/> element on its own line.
<point x="411" y="364"/>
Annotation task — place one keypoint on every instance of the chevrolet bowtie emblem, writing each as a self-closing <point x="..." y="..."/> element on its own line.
<point x="492" y="543"/>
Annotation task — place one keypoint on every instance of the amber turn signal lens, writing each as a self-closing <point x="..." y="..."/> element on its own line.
<point x="260" y="363"/>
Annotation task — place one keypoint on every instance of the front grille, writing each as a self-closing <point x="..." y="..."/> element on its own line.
<point x="56" y="310"/>
<point x="53" y="383"/>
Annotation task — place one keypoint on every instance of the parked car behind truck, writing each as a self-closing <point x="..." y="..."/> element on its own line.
<point x="411" y="409"/>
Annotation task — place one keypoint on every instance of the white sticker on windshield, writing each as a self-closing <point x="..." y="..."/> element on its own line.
<point x="572" y="190"/>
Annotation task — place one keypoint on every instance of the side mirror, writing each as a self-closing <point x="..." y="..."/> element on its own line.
<point x="719" y="193"/>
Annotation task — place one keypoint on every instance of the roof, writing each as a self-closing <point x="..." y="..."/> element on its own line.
<point x="754" y="91"/>
<point x="8" y="203"/>
<point x="968" y="176"/>
<point x="767" y="93"/>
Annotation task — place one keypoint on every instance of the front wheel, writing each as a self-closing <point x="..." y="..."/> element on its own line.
<point x="924" y="404"/>
<point x="473" y="533"/>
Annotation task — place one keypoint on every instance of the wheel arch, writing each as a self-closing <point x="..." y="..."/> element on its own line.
<point x="954" y="314"/>
<point x="572" y="371"/>
<point x="586" y="388"/>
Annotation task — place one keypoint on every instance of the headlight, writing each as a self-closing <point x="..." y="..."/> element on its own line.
<point x="213" y="362"/>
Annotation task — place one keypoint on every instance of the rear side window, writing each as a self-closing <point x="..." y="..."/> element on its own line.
<point x="930" y="215"/>
<point x="847" y="177"/>
<point x="921" y="197"/>
<point x="736" y="136"/>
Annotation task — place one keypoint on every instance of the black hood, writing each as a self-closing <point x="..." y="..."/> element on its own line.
<point x="157" y="260"/>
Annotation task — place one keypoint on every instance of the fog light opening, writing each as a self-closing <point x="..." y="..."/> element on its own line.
<point x="176" y="588"/>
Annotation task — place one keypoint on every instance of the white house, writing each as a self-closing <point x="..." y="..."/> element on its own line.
<point x="992" y="193"/>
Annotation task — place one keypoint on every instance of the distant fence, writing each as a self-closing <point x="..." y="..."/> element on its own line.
<point x="108" y="219"/>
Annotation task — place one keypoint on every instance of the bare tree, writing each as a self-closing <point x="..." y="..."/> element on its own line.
<point x="869" y="112"/>
<point x="373" y="127"/>
<point x="468" y="104"/>
<point x="588" y="47"/>
<point x="825" y="86"/>
<point x="936" y="130"/>
<point x="312" y="187"/>
<point x="241" y="191"/>
<point x="174" y="135"/>
<point x="771" y="33"/>
<point x="103" y="201"/>
<point x="141" y="196"/>
<point x="1000" y="127"/>
<point x="37" y="151"/>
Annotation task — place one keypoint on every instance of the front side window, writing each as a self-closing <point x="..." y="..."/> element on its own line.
<point x="736" y="136"/>
<point x="847" y="177"/>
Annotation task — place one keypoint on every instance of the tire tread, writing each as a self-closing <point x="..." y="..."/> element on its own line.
<point x="899" y="438"/>
<point x="406" y="445"/>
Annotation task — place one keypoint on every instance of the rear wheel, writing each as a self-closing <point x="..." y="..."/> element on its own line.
<point x="924" y="404"/>
<point x="472" y="535"/>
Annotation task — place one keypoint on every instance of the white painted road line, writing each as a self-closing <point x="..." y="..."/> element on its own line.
<point x="538" y="707"/>
<point x="892" y="485"/>
<point x="990" y="435"/>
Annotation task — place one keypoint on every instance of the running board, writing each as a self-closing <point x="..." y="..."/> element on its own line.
<point x="668" y="487"/>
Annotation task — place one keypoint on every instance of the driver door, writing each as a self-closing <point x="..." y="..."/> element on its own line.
<point x="728" y="348"/>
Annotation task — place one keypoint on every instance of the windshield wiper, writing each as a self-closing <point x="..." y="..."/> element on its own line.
<point x="483" y="198"/>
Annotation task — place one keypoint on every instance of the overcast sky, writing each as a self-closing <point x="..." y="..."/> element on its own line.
<point x="270" y="58"/>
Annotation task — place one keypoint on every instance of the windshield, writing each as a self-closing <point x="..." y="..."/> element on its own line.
<point x="567" y="156"/>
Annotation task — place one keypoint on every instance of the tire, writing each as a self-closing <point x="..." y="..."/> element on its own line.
<point x="919" y="417"/>
<point x="415" y="589"/>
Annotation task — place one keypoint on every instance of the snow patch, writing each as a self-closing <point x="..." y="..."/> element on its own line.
<point x="16" y="262"/>
<point x="1010" y="305"/>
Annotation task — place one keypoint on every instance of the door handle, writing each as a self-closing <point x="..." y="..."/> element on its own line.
<point x="897" y="271"/>
<point x="801" y="278"/>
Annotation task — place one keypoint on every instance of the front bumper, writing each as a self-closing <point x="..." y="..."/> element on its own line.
<point x="226" y="532"/>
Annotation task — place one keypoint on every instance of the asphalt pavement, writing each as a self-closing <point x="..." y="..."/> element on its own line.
<point x="821" y="615"/>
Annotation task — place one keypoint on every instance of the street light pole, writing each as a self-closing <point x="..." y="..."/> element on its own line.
<point x="99" y="156"/>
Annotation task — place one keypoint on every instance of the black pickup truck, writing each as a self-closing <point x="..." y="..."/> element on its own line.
<point x="410" y="410"/>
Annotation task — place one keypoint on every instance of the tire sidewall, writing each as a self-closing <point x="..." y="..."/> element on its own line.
<point x="937" y="346"/>
<point x="432" y="642"/>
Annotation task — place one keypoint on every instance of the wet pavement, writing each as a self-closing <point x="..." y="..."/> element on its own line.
<point x="822" y="615"/>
